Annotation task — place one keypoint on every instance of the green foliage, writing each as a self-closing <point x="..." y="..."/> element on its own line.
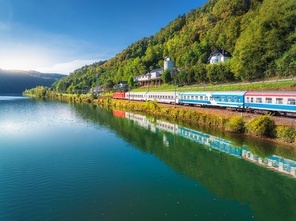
<point x="260" y="35"/>
<point x="151" y="106"/>
<point x="166" y="76"/>
<point x="219" y="72"/>
<point x="108" y="85"/>
<point x="269" y="33"/>
<point x="39" y="92"/>
<point x="288" y="134"/>
<point x="236" y="124"/>
<point x="131" y="82"/>
<point x="262" y="126"/>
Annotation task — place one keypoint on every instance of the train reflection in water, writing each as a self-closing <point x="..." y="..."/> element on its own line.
<point x="274" y="162"/>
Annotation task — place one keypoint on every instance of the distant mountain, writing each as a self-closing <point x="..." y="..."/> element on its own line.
<point x="14" y="82"/>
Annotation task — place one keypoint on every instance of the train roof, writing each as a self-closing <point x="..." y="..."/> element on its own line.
<point x="215" y="92"/>
<point x="271" y="93"/>
<point x="161" y="92"/>
<point x="229" y="92"/>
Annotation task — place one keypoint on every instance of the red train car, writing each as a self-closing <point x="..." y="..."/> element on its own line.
<point x="119" y="95"/>
<point x="118" y="113"/>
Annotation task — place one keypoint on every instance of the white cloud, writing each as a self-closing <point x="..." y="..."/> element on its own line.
<point x="67" y="67"/>
<point x="27" y="49"/>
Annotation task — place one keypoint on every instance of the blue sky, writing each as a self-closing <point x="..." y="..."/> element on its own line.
<point x="61" y="35"/>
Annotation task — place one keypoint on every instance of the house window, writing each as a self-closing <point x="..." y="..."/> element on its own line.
<point x="258" y="100"/>
<point x="279" y="100"/>
<point x="215" y="60"/>
<point x="268" y="100"/>
<point x="291" y="101"/>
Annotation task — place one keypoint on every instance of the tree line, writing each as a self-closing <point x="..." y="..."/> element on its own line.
<point x="260" y="35"/>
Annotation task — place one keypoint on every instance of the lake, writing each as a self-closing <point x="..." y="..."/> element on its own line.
<point x="61" y="161"/>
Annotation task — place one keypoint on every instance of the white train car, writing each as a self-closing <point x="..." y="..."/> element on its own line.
<point x="136" y="96"/>
<point x="279" y="102"/>
<point x="162" y="97"/>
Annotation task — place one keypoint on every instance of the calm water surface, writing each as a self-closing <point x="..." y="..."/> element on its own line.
<point x="78" y="162"/>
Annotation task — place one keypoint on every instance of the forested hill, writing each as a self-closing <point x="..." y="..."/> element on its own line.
<point x="260" y="35"/>
<point x="15" y="82"/>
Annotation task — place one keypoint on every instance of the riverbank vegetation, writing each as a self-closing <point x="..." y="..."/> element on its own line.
<point x="262" y="126"/>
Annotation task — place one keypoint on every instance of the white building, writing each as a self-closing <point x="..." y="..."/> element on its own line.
<point x="168" y="64"/>
<point x="153" y="77"/>
<point x="219" y="56"/>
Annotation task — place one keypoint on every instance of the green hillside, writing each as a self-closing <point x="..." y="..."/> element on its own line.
<point x="15" y="82"/>
<point x="260" y="35"/>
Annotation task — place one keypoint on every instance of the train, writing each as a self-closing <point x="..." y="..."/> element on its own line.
<point x="271" y="102"/>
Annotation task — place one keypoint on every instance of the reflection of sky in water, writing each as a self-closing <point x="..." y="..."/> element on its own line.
<point x="26" y="123"/>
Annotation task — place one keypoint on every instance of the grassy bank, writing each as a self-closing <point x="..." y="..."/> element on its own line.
<point x="261" y="126"/>
<point x="271" y="85"/>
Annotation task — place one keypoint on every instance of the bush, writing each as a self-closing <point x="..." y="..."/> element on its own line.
<point x="262" y="126"/>
<point x="286" y="133"/>
<point x="151" y="106"/>
<point x="236" y="124"/>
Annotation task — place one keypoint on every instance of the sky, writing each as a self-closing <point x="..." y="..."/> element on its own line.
<point x="59" y="36"/>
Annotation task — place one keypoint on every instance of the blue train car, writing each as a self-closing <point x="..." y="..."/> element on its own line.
<point x="229" y="99"/>
<point x="281" y="102"/>
<point x="195" y="98"/>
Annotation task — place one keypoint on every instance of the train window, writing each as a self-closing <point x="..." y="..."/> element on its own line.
<point x="192" y="97"/>
<point x="252" y="99"/>
<point x="239" y="99"/>
<point x="291" y="101"/>
<point x="222" y="98"/>
<point x="211" y="98"/>
<point x="201" y="97"/>
<point x="279" y="100"/>
<point x="268" y="100"/>
<point x="235" y="99"/>
<point x="206" y="98"/>
<point x="258" y="100"/>
<point x="229" y="99"/>
<point x="216" y="98"/>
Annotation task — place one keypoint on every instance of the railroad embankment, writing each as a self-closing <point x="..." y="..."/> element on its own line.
<point x="263" y="126"/>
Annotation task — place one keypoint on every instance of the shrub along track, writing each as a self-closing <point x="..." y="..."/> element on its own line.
<point x="247" y="116"/>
